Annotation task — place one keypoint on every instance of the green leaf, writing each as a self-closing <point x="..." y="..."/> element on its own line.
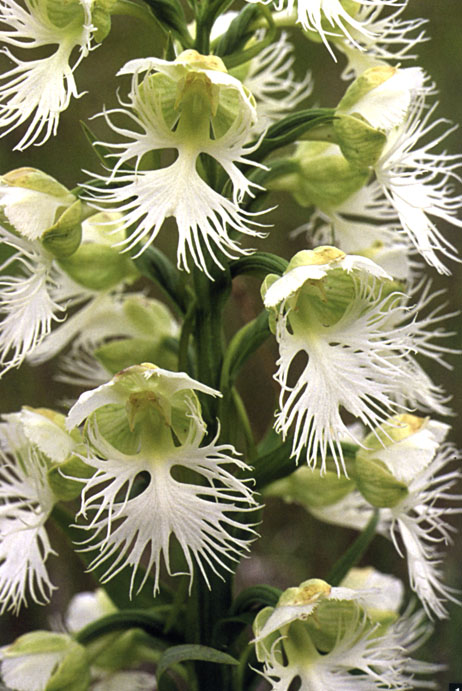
<point x="244" y="343"/>
<point x="148" y="621"/>
<point x="257" y="596"/>
<point x="291" y="128"/>
<point x="182" y="653"/>
<point x="258" y="264"/>
<point x="238" y="33"/>
<point x="153" y="264"/>
<point x="92" y="139"/>
<point x="170" y="15"/>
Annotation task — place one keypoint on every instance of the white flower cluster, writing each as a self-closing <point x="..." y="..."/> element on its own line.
<point x="353" y="318"/>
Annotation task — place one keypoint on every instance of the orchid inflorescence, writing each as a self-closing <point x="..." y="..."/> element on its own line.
<point x="153" y="472"/>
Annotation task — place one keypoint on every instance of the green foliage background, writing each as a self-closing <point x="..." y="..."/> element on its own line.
<point x="293" y="546"/>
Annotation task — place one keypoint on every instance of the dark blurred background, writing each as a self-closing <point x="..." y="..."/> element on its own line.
<point x="293" y="546"/>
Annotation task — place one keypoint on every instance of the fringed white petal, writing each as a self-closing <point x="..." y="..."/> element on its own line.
<point x="352" y="364"/>
<point x="27" y="301"/>
<point x="39" y="89"/>
<point x="26" y="502"/>
<point x="126" y="527"/>
<point x="416" y="183"/>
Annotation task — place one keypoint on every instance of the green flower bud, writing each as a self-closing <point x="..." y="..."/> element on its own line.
<point x="62" y="663"/>
<point x="33" y="204"/>
<point x="376" y="483"/>
<point x="360" y="143"/>
<point x="97" y="264"/>
<point x="64" y="237"/>
<point x="118" y="355"/>
<point x="324" y="176"/>
<point x="310" y="488"/>
<point x="61" y="478"/>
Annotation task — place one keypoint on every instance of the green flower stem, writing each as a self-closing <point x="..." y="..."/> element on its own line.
<point x="354" y="552"/>
<point x="244" y="424"/>
<point x="204" y="607"/>
<point x="211" y="297"/>
<point x="186" y="330"/>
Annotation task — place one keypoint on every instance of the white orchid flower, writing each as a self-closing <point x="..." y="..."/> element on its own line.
<point x="194" y="106"/>
<point x="40" y="89"/>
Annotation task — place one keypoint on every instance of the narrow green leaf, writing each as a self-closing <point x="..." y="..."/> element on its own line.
<point x="258" y="264"/>
<point x="354" y="552"/>
<point x="150" y="622"/>
<point x="92" y="139"/>
<point x="238" y="33"/>
<point x="182" y="653"/>
<point x="158" y="268"/>
<point x="245" y="342"/>
<point x="291" y="128"/>
<point x="255" y="597"/>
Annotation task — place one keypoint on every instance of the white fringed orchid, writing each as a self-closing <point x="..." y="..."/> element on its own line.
<point x="401" y="468"/>
<point x="147" y="421"/>
<point x="111" y="332"/>
<point x="40" y="89"/>
<point x="358" y="338"/>
<point x="271" y="80"/>
<point x="418" y="183"/>
<point x="412" y="450"/>
<point x="44" y="660"/>
<point x="388" y="37"/>
<point x="30" y="441"/>
<point x="317" y="635"/>
<point x="37" y="288"/>
<point x="334" y="19"/>
<point x="194" y="106"/>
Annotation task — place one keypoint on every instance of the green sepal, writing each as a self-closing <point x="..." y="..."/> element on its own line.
<point x="60" y="478"/>
<point x="118" y="355"/>
<point x="310" y="488"/>
<point x="189" y="651"/>
<point x="291" y="128"/>
<point x="98" y="267"/>
<point x="101" y="18"/>
<point x="376" y="483"/>
<point x="65" y="236"/>
<point x="367" y="81"/>
<point x="360" y="143"/>
<point x="331" y="620"/>
<point x="73" y="673"/>
<point x="36" y="180"/>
